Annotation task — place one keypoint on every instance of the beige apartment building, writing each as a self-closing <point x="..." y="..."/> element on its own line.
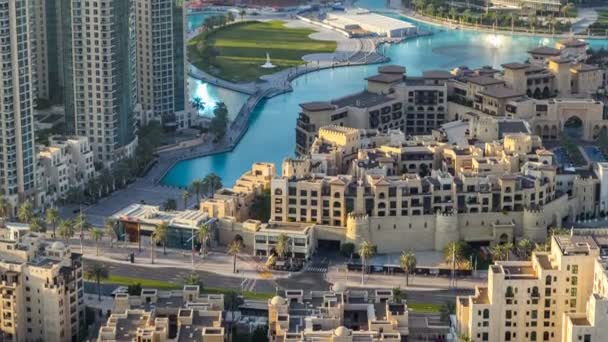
<point x="339" y="315"/>
<point x="42" y="290"/>
<point x="66" y="164"/>
<point x="559" y="295"/>
<point x="151" y="316"/>
<point x="546" y="93"/>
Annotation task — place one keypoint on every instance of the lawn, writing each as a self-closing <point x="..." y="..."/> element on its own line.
<point x="424" y="307"/>
<point x="240" y="49"/>
<point x="164" y="285"/>
<point x="601" y="25"/>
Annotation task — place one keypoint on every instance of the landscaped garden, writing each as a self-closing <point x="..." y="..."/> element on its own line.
<point x="236" y="52"/>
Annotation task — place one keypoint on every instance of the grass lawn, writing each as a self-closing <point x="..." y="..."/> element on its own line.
<point x="164" y="285"/>
<point x="241" y="49"/>
<point x="424" y="307"/>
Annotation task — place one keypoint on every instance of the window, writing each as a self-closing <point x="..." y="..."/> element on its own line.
<point x="574" y="269"/>
<point x="486" y="314"/>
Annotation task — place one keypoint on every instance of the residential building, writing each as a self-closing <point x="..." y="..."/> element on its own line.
<point x="558" y="295"/>
<point x="161" y="63"/>
<point x="42" y="290"/>
<point x="39" y="48"/>
<point x="153" y="315"/>
<point x="17" y="150"/>
<point x="66" y="164"/>
<point x="100" y="75"/>
<point x="339" y="315"/>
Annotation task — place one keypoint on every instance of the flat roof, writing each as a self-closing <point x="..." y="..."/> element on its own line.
<point x="545" y="50"/>
<point x="484" y="80"/>
<point x="502" y="92"/>
<point x="363" y="99"/>
<point x="369" y="19"/>
<point x="386" y="78"/>
<point x="317" y="106"/>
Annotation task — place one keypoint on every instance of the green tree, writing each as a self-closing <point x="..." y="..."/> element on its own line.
<point x="525" y="248"/>
<point x="202" y="236"/>
<point x="36" y="224"/>
<point x="96" y="235"/>
<point x="197" y="187"/>
<point x="160" y="235"/>
<point x="193" y="279"/>
<point x="198" y="104"/>
<point x="3" y="207"/>
<point x="366" y="250"/>
<point x="98" y="272"/>
<point x="66" y="230"/>
<point x="454" y="254"/>
<point x="185" y="198"/>
<point x="242" y="13"/>
<point x="282" y="246"/>
<point x="219" y="122"/>
<point x="501" y="251"/>
<point x="260" y="206"/>
<point x="234" y="248"/>
<point x="211" y="183"/>
<point x="110" y="231"/>
<point x="232" y="301"/>
<point x="52" y="217"/>
<point x="25" y="212"/>
<point x="81" y="224"/>
<point x="407" y="261"/>
<point x="134" y="289"/>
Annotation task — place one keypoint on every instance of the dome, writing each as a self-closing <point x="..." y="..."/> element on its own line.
<point x="57" y="245"/>
<point x="339" y="287"/>
<point x="276" y="300"/>
<point x="341" y="331"/>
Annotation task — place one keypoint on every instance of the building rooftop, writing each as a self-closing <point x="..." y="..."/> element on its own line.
<point x="317" y="106"/>
<point x="437" y="74"/>
<point x="363" y="99"/>
<point x="545" y="50"/>
<point x="386" y="78"/>
<point x="392" y="69"/>
<point x="515" y="66"/>
<point x="512" y="126"/>
<point x="483" y="80"/>
<point x="575" y="244"/>
<point x="572" y="42"/>
<point x="501" y="92"/>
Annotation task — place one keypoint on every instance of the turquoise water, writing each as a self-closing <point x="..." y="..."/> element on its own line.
<point x="271" y="134"/>
<point x="196" y="19"/>
<point x="211" y="95"/>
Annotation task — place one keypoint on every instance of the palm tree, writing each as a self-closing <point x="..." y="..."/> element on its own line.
<point x="212" y="182"/>
<point x="366" y="251"/>
<point x="234" y="248"/>
<point x="52" y="216"/>
<point x="193" y="279"/>
<point x="66" y="230"/>
<point x="81" y="223"/>
<point x="242" y="13"/>
<point x="161" y="234"/>
<point x="407" y="260"/>
<point x="3" y="206"/>
<point x="99" y="273"/>
<point x="185" y="198"/>
<point x="202" y="235"/>
<point x="197" y="187"/>
<point x="525" y="248"/>
<point x="109" y="230"/>
<point x="282" y="246"/>
<point x="453" y="253"/>
<point x="36" y="224"/>
<point x="96" y="235"/>
<point x="25" y="212"/>
<point x="501" y="251"/>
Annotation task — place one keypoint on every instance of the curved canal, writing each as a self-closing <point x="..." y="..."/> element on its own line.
<point x="271" y="134"/>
